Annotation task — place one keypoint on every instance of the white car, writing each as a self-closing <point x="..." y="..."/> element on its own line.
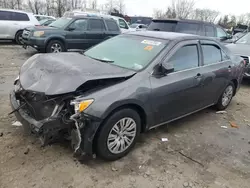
<point x="13" y="22"/>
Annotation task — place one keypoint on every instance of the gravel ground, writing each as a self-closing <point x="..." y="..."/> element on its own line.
<point x="199" y="152"/>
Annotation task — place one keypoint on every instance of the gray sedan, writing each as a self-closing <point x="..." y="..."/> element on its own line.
<point x="103" y="99"/>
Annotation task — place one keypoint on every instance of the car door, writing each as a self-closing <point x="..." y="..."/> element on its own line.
<point x="216" y="69"/>
<point x="178" y="93"/>
<point x="75" y="34"/>
<point x="96" y="32"/>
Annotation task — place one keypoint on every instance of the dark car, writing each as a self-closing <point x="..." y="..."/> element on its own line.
<point x="77" y="32"/>
<point x="190" y="27"/>
<point x="241" y="47"/>
<point x="105" y="97"/>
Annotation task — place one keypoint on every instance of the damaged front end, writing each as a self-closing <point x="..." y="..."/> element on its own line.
<point x="52" y="118"/>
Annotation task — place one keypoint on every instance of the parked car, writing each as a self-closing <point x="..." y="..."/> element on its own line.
<point x="190" y="27"/>
<point x="105" y="97"/>
<point x="13" y="22"/>
<point x="120" y="21"/>
<point x="138" y="27"/>
<point x="46" y="22"/>
<point x="43" y="17"/>
<point x="77" y="32"/>
<point x="241" y="47"/>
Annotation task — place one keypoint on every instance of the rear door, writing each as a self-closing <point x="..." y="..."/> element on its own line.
<point x="96" y="32"/>
<point x="178" y="93"/>
<point x="75" y="34"/>
<point x="216" y="69"/>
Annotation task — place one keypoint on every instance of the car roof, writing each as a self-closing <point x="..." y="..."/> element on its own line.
<point x="168" y="35"/>
<point x="13" y="10"/>
<point x="91" y="17"/>
<point x="182" y="20"/>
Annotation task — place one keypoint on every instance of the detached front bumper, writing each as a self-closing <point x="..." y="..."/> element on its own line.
<point x="81" y="135"/>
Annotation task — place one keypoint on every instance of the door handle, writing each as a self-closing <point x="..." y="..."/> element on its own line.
<point x="198" y="76"/>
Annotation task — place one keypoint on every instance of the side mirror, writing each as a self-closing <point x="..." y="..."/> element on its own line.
<point x="163" y="69"/>
<point x="167" y="68"/>
<point x="71" y="28"/>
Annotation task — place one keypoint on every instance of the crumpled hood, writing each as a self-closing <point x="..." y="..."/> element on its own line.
<point x="61" y="73"/>
<point x="239" y="49"/>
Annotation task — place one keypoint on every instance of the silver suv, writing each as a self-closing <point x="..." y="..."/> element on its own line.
<point x="13" y="22"/>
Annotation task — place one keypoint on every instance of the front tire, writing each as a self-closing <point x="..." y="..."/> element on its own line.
<point x="55" y="46"/>
<point x="118" y="134"/>
<point x="226" y="97"/>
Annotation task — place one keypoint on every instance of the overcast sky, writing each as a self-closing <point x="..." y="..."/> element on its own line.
<point x="146" y="7"/>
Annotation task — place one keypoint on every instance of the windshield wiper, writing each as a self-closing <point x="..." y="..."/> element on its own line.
<point x="102" y="60"/>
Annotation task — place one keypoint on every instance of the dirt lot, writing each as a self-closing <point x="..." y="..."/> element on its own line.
<point x="199" y="152"/>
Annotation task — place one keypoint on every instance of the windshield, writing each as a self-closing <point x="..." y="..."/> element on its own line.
<point x="127" y="51"/>
<point x="245" y="39"/>
<point x="61" y="22"/>
<point x="133" y="25"/>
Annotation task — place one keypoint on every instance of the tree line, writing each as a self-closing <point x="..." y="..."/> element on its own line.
<point x="58" y="7"/>
<point x="185" y="9"/>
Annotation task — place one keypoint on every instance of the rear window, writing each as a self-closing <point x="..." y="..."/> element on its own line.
<point x="189" y="28"/>
<point x="158" y="25"/>
<point x="15" y="16"/>
<point x="112" y="26"/>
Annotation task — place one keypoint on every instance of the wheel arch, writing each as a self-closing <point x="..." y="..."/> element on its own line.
<point x="139" y="109"/>
<point x="235" y="82"/>
<point x="61" y="39"/>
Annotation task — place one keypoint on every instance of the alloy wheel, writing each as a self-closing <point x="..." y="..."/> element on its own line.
<point x="122" y="135"/>
<point x="227" y="95"/>
<point x="55" y="48"/>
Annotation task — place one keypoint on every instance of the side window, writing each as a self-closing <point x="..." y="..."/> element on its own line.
<point x="211" y="54"/>
<point x="220" y="33"/>
<point x="96" y="25"/>
<point x="190" y="28"/>
<point x="185" y="58"/>
<point x="209" y="31"/>
<point x="112" y="25"/>
<point x="20" y="16"/>
<point x="5" y="15"/>
<point x="122" y="24"/>
<point x="79" y="25"/>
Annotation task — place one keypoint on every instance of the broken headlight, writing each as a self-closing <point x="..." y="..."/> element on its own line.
<point x="80" y="106"/>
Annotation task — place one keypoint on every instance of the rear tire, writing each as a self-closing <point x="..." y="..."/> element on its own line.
<point x="55" y="46"/>
<point x="18" y="38"/>
<point x="226" y="97"/>
<point x="118" y="134"/>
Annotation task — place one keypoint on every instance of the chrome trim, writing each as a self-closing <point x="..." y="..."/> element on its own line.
<point x="180" y="117"/>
